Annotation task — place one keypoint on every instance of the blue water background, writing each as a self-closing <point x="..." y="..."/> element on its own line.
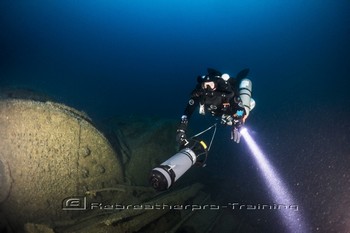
<point x="124" y="57"/>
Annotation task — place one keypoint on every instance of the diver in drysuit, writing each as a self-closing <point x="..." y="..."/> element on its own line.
<point x="222" y="96"/>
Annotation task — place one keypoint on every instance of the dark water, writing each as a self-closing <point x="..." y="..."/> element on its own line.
<point x="142" y="57"/>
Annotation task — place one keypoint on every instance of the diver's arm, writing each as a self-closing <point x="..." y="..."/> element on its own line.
<point x="193" y="102"/>
<point x="234" y="116"/>
<point x="190" y="108"/>
<point x="238" y="122"/>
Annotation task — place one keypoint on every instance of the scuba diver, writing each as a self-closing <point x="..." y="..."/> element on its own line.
<point x="222" y="96"/>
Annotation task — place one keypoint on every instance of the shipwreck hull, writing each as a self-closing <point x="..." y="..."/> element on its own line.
<point x="48" y="153"/>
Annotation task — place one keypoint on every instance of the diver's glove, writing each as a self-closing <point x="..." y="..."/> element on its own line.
<point x="181" y="131"/>
<point x="181" y="137"/>
<point x="226" y="119"/>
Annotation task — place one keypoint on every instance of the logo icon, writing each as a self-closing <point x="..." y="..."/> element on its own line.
<point x="74" y="203"/>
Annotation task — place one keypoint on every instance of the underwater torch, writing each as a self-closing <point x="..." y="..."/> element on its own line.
<point x="166" y="174"/>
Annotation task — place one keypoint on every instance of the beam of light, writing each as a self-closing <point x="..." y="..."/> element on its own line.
<point x="292" y="218"/>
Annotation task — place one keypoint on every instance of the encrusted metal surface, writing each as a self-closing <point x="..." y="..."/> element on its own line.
<point x="49" y="152"/>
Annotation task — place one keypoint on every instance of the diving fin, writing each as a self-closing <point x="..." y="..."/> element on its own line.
<point x="242" y="74"/>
